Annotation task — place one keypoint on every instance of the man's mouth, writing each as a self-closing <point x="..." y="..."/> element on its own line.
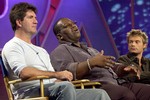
<point x="133" y="49"/>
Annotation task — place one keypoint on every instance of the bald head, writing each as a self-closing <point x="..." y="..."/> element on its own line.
<point x="66" y="30"/>
<point x="59" y="24"/>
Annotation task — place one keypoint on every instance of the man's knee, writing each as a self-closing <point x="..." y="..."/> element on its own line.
<point x="62" y="90"/>
<point x="129" y="96"/>
<point x="92" y="94"/>
<point x="100" y="93"/>
<point x="67" y="84"/>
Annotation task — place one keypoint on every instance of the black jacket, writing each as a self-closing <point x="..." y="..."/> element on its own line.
<point x="129" y="59"/>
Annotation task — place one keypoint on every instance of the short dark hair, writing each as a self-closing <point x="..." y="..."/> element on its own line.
<point x="18" y="11"/>
<point x="57" y="27"/>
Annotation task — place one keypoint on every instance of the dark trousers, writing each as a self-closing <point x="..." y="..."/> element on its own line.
<point x="128" y="91"/>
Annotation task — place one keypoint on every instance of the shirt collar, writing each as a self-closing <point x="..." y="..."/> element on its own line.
<point x="72" y="44"/>
<point x="82" y="44"/>
<point x="132" y="57"/>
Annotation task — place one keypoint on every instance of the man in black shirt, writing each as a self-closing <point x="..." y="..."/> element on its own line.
<point x="137" y="42"/>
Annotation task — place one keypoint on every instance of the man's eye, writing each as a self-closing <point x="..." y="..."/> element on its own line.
<point x="66" y="25"/>
<point x="137" y="41"/>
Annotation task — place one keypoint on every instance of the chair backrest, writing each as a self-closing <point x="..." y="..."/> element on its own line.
<point x="6" y="80"/>
<point x="4" y="71"/>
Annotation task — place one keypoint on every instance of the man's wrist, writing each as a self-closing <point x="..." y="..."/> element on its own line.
<point x="88" y="64"/>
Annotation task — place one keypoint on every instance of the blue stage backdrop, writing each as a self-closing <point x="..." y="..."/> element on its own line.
<point x="123" y="15"/>
<point x="87" y="13"/>
<point x="103" y="23"/>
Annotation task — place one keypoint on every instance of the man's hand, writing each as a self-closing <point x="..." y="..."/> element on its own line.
<point x="133" y="70"/>
<point x="102" y="61"/>
<point x="64" y="75"/>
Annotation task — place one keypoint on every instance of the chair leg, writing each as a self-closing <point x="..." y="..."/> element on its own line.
<point x="42" y="87"/>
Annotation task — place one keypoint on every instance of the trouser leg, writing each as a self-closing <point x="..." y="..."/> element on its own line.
<point x="141" y="91"/>
<point x="68" y="93"/>
<point x="55" y="91"/>
<point x="91" y="94"/>
<point x="62" y="91"/>
<point x="117" y="92"/>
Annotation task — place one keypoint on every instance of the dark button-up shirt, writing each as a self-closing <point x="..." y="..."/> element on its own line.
<point x="67" y="56"/>
<point x="131" y="59"/>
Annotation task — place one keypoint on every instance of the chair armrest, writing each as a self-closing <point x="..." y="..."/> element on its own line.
<point x="85" y="83"/>
<point x="29" y="79"/>
<point x="40" y="78"/>
<point x="80" y="81"/>
<point x="89" y="84"/>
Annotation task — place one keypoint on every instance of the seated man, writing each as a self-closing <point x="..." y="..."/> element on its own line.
<point x="24" y="60"/>
<point x="137" y="43"/>
<point x="87" y="62"/>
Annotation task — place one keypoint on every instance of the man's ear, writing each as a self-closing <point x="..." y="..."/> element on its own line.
<point x="59" y="37"/>
<point x="145" y="46"/>
<point x="18" y="22"/>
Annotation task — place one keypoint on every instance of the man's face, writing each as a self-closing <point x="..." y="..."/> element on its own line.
<point x="69" y="30"/>
<point x="136" y="44"/>
<point x="29" y="23"/>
